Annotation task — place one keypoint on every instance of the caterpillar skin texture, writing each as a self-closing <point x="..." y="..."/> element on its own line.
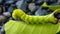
<point x="19" y="14"/>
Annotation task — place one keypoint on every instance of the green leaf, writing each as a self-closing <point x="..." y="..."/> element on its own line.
<point x="44" y="4"/>
<point x="15" y="27"/>
<point x="58" y="28"/>
<point x="54" y="7"/>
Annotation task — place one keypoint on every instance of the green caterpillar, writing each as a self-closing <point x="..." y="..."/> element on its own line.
<point x="18" y="27"/>
<point x="19" y="14"/>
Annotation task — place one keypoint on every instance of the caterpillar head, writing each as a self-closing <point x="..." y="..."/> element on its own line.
<point x="16" y="12"/>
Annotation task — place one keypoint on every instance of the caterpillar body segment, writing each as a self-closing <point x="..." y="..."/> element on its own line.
<point x="18" y="13"/>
